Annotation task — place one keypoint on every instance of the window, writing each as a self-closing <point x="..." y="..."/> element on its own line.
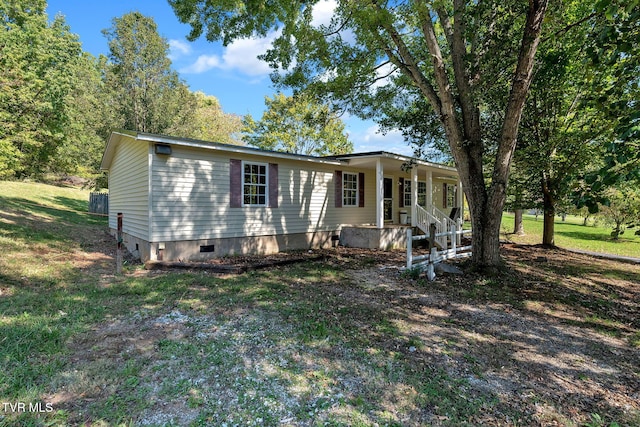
<point x="349" y="189"/>
<point x="254" y="180"/>
<point x="253" y="184"/>
<point x="450" y="195"/>
<point x="422" y="194"/>
<point x="407" y="193"/>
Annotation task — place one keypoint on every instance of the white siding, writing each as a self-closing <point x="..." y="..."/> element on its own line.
<point x="129" y="188"/>
<point x="191" y="198"/>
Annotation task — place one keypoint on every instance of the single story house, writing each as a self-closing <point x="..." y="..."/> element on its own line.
<point x="184" y="199"/>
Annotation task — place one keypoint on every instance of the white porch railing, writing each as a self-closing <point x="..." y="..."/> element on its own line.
<point x="435" y="256"/>
<point x="424" y="219"/>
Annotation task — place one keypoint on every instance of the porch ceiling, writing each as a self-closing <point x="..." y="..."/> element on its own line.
<point x="394" y="163"/>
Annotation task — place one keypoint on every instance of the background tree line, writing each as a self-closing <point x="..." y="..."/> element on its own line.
<point x="59" y="104"/>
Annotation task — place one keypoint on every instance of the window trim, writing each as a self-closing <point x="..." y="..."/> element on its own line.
<point x="406" y="192"/>
<point x="450" y="196"/>
<point x="356" y="194"/>
<point x="424" y="205"/>
<point x="266" y="184"/>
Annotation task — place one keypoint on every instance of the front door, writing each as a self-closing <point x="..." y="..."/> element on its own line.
<point x="387" y="188"/>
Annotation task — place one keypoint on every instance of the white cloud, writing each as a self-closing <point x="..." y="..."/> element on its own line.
<point x="202" y="64"/>
<point x="178" y="48"/>
<point x="384" y="74"/>
<point x="322" y="12"/>
<point x="240" y="56"/>
<point x="372" y="139"/>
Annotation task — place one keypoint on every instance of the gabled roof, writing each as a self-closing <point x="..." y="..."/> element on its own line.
<point x="117" y="136"/>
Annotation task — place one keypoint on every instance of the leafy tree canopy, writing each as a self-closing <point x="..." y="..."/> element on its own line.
<point x="147" y="92"/>
<point x="622" y="209"/>
<point x="563" y="132"/>
<point x="209" y="122"/>
<point x="298" y="124"/>
<point x="615" y="61"/>
<point x="371" y="56"/>
<point x="37" y="59"/>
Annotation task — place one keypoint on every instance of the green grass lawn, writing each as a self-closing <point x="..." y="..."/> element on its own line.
<point x="263" y="348"/>
<point x="572" y="234"/>
<point x="308" y="344"/>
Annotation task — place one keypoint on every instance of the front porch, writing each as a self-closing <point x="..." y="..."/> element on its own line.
<point x="409" y="193"/>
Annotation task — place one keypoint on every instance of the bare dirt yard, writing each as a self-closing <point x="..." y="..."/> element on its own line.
<point x="346" y="338"/>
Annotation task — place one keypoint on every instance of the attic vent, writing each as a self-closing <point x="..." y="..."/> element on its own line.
<point x="207" y="248"/>
<point x="163" y="149"/>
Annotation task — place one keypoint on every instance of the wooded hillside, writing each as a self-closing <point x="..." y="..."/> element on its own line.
<point x="59" y="104"/>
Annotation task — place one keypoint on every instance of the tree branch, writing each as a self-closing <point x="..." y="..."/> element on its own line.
<point x="570" y="26"/>
<point x="470" y="113"/>
<point x="519" y="89"/>
<point x="340" y="27"/>
<point x="408" y="65"/>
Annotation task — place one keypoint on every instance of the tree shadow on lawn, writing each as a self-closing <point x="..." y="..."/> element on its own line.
<point x="602" y="237"/>
<point x="479" y="363"/>
<point x="34" y="224"/>
<point x="340" y="347"/>
<point x="579" y="308"/>
<point x="595" y="293"/>
<point x="75" y="214"/>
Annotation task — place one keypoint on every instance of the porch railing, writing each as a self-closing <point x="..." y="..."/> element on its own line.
<point x="424" y="219"/>
<point x="428" y="262"/>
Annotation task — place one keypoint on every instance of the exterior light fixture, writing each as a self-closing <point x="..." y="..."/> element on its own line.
<point x="163" y="149"/>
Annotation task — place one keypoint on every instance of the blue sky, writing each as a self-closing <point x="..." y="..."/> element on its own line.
<point x="233" y="74"/>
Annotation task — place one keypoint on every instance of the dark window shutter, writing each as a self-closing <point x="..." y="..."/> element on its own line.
<point x="401" y="198"/>
<point x="337" y="178"/>
<point x="444" y="195"/>
<point x="361" y="189"/>
<point x="235" y="183"/>
<point x="273" y="185"/>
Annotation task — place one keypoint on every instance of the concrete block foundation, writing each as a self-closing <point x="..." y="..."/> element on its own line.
<point x="371" y="237"/>
<point x="202" y="250"/>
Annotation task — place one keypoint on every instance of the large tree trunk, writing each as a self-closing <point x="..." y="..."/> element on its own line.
<point x="518" y="227"/>
<point x="460" y="113"/>
<point x="486" y="241"/>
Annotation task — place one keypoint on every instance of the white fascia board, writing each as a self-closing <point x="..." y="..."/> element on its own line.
<point x="228" y="148"/>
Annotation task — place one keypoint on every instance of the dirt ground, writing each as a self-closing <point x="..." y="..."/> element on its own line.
<point x="555" y="335"/>
<point x="551" y="344"/>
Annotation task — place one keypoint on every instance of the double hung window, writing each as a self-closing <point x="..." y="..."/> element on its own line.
<point x="349" y="189"/>
<point x="254" y="180"/>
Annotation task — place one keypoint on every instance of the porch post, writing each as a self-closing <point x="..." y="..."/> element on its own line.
<point x="461" y="206"/>
<point x="429" y="190"/>
<point x="414" y="194"/>
<point x="379" y="194"/>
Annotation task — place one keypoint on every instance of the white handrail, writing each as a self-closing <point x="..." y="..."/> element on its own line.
<point x="424" y="218"/>
<point x="436" y="256"/>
